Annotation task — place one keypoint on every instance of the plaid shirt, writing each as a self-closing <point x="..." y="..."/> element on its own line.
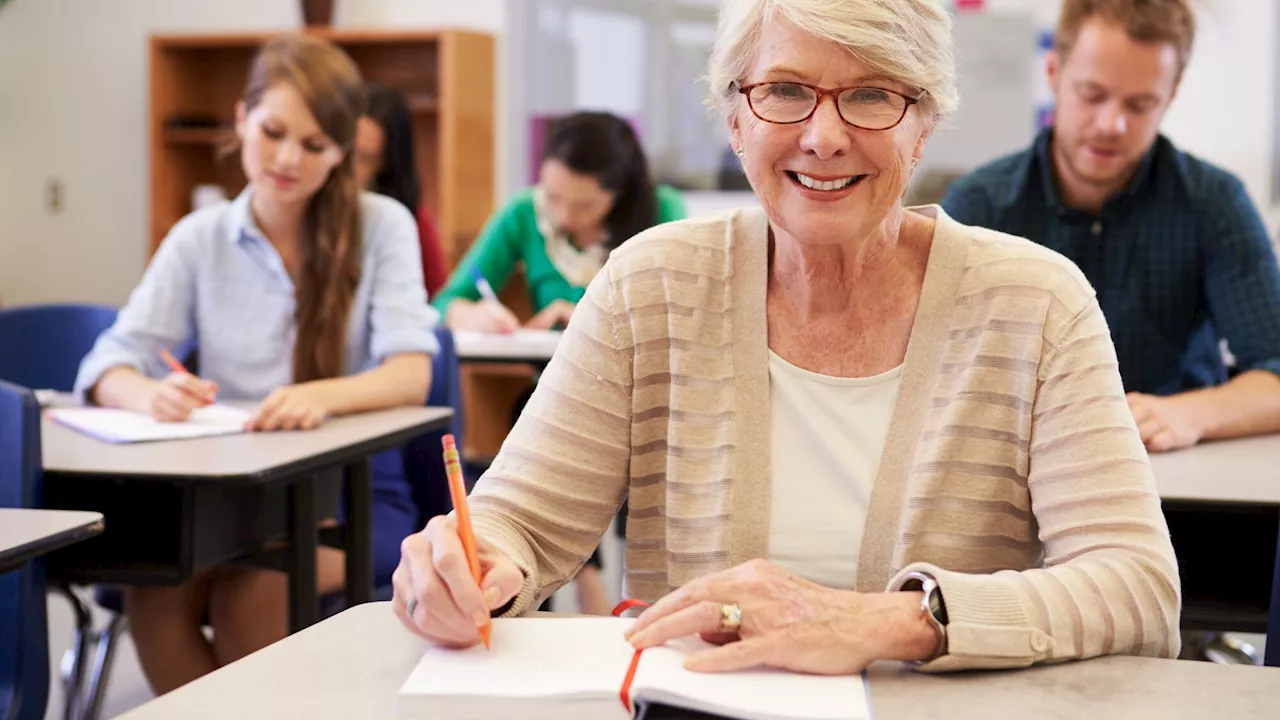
<point x="1179" y="259"/>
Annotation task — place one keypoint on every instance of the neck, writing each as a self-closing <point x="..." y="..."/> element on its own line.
<point x="827" y="279"/>
<point x="1080" y="194"/>
<point x="281" y="224"/>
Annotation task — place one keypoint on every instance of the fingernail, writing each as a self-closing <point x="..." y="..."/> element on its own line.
<point x="492" y="595"/>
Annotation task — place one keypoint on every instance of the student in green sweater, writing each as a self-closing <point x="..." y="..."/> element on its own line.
<point x="594" y="192"/>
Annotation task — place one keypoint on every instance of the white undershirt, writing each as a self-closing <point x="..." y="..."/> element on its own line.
<point x="828" y="434"/>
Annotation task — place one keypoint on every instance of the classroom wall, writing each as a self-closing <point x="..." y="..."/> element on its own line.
<point x="73" y="101"/>
<point x="73" y="107"/>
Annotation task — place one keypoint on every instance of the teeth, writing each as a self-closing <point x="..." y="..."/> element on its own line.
<point x="828" y="186"/>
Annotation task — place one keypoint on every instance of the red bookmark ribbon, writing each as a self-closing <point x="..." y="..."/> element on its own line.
<point x="625" y="692"/>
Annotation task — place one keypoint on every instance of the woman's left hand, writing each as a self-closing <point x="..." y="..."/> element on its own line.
<point x="786" y="622"/>
<point x="293" y="407"/>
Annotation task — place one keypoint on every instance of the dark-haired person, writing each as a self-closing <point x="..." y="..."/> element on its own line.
<point x="303" y="294"/>
<point x="384" y="161"/>
<point x="594" y="192"/>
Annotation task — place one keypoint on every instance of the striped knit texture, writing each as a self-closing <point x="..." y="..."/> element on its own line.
<point x="1012" y="471"/>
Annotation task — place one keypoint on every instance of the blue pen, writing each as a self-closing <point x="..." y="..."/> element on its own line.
<point x="482" y="285"/>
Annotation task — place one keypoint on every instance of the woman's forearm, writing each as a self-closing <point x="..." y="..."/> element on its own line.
<point x="399" y="380"/>
<point x="123" y="387"/>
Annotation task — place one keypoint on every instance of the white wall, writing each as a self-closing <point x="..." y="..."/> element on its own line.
<point x="73" y="107"/>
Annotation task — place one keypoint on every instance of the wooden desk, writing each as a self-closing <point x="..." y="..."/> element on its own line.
<point x="352" y="665"/>
<point x="27" y="534"/>
<point x="1232" y="476"/>
<point x="496" y="371"/>
<point x="176" y="507"/>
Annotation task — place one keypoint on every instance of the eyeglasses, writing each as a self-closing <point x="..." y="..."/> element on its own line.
<point x="787" y="103"/>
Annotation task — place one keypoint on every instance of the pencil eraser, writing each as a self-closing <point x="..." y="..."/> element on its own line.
<point x="449" y="443"/>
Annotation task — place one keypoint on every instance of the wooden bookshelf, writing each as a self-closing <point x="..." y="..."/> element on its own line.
<point x="447" y="77"/>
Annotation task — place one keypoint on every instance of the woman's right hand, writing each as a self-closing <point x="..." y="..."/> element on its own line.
<point x="487" y="316"/>
<point x="451" y="608"/>
<point x="174" y="397"/>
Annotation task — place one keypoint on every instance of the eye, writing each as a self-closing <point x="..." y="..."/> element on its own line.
<point x="787" y="91"/>
<point x="313" y="147"/>
<point x="868" y="96"/>
<point x="273" y="132"/>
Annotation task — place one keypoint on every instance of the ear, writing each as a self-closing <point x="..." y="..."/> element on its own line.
<point x="1053" y="62"/>
<point x="921" y="141"/>
<point x="241" y="114"/>
<point x="735" y="131"/>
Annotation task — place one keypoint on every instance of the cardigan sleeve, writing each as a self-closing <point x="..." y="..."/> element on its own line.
<point x="563" y="470"/>
<point x="1109" y="584"/>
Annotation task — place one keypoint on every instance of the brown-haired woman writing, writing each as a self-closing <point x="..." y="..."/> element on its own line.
<point x="303" y="294"/>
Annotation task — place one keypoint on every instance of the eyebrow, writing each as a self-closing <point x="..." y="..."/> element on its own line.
<point x="860" y="81"/>
<point x="1140" y="97"/>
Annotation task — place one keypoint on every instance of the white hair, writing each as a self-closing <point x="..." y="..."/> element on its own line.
<point x="908" y="40"/>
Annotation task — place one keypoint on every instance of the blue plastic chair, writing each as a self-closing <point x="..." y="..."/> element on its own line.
<point x="423" y="455"/>
<point x="24" y="639"/>
<point x="41" y="346"/>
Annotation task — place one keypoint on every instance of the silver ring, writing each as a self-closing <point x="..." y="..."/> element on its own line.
<point x="410" y="606"/>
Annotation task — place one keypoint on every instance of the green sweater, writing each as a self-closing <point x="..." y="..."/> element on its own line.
<point x="512" y="236"/>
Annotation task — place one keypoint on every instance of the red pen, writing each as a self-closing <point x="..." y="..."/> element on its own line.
<point x="178" y="367"/>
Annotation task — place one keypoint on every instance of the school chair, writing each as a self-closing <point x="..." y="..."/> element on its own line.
<point x="24" y="638"/>
<point x="41" y="346"/>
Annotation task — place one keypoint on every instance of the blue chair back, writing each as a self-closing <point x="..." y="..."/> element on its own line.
<point x="41" y="346"/>
<point x="423" y="455"/>
<point x="24" y="640"/>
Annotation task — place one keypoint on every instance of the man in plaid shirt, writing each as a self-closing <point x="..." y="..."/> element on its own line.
<point x="1173" y="245"/>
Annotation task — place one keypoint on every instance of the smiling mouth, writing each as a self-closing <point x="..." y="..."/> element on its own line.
<point x="810" y="183"/>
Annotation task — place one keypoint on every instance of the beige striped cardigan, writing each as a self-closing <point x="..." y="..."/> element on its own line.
<point x="1012" y="472"/>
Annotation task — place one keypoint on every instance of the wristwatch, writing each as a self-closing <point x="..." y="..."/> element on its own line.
<point x="931" y="606"/>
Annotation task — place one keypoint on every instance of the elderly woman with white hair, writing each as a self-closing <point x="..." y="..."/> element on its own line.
<point x="849" y="430"/>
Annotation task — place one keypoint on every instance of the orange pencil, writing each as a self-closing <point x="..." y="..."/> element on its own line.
<point x="458" y="491"/>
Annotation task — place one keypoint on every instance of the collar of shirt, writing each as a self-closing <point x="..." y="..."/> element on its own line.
<point x="1140" y="181"/>
<point x="243" y="230"/>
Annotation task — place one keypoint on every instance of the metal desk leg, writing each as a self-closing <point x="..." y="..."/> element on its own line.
<point x="1272" y="657"/>
<point x="301" y="559"/>
<point x="359" y="535"/>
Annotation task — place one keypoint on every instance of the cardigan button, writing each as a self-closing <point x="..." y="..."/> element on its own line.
<point x="1097" y="228"/>
<point x="1041" y="642"/>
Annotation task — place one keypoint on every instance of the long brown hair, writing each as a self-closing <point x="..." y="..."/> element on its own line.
<point x="332" y="243"/>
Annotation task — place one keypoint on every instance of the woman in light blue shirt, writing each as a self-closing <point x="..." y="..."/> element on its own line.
<point x="304" y="294"/>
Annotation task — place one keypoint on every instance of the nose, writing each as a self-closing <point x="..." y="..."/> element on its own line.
<point x="1112" y="120"/>
<point x="825" y="133"/>
<point x="289" y="154"/>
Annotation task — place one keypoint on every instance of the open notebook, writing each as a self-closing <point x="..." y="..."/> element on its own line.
<point x="124" y="426"/>
<point x="571" y="668"/>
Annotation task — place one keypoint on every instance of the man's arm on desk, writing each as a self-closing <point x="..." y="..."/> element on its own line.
<point x="1242" y="289"/>
<point x="1248" y="405"/>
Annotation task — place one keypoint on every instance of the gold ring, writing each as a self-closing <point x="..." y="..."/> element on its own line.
<point x="730" y="618"/>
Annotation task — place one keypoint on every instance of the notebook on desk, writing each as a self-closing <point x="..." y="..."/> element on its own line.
<point x="124" y="426"/>
<point x="521" y="344"/>
<point x="574" y="668"/>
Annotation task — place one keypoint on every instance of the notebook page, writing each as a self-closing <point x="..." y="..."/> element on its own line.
<point x="530" y="657"/>
<point x="124" y="426"/>
<point x="762" y="694"/>
<point x="520" y="344"/>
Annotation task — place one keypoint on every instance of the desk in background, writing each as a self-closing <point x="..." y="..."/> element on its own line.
<point x="176" y="507"/>
<point x="352" y="665"/>
<point x="1222" y="500"/>
<point x="26" y="534"/>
